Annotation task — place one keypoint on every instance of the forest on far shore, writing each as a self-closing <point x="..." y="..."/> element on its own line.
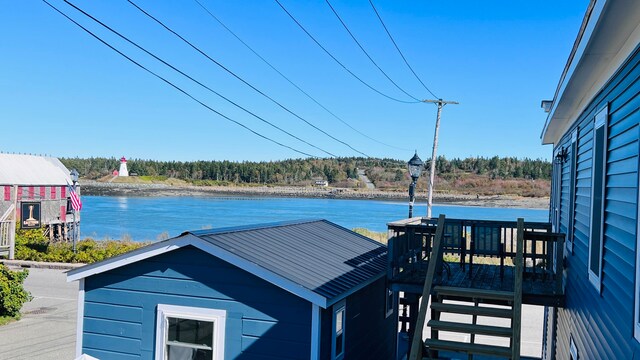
<point x="495" y="175"/>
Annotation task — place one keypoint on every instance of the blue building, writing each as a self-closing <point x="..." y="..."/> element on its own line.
<point x="293" y="290"/>
<point x="593" y="126"/>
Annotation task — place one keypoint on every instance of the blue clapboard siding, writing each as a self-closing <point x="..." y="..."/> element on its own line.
<point x="369" y="334"/>
<point x="601" y="324"/>
<point x="263" y="321"/>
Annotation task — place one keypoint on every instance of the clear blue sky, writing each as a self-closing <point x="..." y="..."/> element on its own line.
<point x="63" y="93"/>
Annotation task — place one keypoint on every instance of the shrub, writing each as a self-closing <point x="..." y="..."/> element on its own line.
<point x="12" y="292"/>
<point x="32" y="245"/>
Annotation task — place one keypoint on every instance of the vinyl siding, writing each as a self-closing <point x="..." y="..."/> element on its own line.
<point x="601" y="324"/>
<point x="369" y="334"/>
<point x="263" y="321"/>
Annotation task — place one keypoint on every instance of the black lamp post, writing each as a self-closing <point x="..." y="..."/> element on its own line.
<point x="415" y="168"/>
<point x="74" y="178"/>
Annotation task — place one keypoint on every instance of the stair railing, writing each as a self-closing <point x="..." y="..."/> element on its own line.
<point x="436" y="253"/>
<point x="517" y="293"/>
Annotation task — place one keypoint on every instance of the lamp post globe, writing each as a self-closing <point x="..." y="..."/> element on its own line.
<point x="415" y="169"/>
<point x="74" y="176"/>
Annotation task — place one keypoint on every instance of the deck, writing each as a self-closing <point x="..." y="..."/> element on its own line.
<point x="537" y="289"/>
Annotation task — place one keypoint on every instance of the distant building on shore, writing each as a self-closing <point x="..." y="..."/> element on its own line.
<point x="123" y="167"/>
<point x="34" y="194"/>
<point x="323" y="183"/>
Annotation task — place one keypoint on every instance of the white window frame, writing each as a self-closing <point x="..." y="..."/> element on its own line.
<point x="389" y="305"/>
<point x="216" y="316"/>
<point x="340" y="306"/>
<point x="636" y="315"/>
<point x="599" y="121"/>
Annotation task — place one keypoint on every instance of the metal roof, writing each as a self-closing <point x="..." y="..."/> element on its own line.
<point x="314" y="259"/>
<point x="17" y="169"/>
<point x="317" y="254"/>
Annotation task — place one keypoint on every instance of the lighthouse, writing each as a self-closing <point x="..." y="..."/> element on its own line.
<point x="123" y="167"/>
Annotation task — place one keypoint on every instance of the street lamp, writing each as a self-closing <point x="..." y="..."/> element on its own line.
<point x="74" y="178"/>
<point x="415" y="168"/>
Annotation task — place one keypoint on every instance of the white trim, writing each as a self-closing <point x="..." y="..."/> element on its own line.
<point x="80" y="318"/>
<point x="218" y="317"/>
<point x="600" y="121"/>
<point x="573" y="350"/>
<point x="636" y="311"/>
<point x="189" y="239"/>
<point x="315" y="332"/>
<point x="388" y="308"/>
<point x="607" y="63"/>
<point x="340" y="306"/>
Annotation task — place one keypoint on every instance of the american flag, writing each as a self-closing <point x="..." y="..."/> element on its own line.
<point x="76" y="204"/>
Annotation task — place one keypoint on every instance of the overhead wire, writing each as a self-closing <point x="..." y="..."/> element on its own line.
<point x="290" y="81"/>
<point x="338" y="61"/>
<point x="242" y="80"/>
<point x="175" y="86"/>
<point x="400" y="52"/>
<point x="194" y="80"/>
<point x="366" y="53"/>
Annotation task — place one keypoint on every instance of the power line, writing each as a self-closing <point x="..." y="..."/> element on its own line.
<point x="366" y="53"/>
<point x="290" y="81"/>
<point x="194" y="80"/>
<point x="400" y="52"/>
<point x="244" y="81"/>
<point x="173" y="85"/>
<point x="338" y="61"/>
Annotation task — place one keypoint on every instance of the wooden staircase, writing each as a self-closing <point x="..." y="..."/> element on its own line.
<point x="474" y="303"/>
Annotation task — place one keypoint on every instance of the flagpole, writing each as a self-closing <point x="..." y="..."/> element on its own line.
<point x="74" y="177"/>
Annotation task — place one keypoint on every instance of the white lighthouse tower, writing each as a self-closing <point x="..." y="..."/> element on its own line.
<point x="123" y="167"/>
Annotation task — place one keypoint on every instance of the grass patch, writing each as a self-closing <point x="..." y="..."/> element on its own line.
<point x="380" y="237"/>
<point x="4" y="320"/>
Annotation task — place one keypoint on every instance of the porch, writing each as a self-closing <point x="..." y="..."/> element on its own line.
<point x="467" y="266"/>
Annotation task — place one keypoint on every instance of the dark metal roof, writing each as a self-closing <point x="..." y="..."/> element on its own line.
<point x="319" y="255"/>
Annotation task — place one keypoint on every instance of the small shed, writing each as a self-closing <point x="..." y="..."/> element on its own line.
<point x="33" y="192"/>
<point x="305" y="289"/>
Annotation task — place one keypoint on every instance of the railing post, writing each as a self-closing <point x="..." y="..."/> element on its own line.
<point x="559" y="263"/>
<point x="517" y="293"/>
<point x="436" y="252"/>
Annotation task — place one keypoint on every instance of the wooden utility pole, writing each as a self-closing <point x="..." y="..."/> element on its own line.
<point x="432" y="173"/>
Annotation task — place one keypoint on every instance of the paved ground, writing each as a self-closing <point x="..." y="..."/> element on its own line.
<point x="47" y="329"/>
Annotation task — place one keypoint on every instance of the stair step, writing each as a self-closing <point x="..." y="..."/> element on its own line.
<point x="492" y="350"/>
<point x="470" y="328"/>
<point x="474" y="293"/>
<point x="473" y="310"/>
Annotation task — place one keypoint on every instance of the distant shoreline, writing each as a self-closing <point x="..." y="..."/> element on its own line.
<point x="150" y="189"/>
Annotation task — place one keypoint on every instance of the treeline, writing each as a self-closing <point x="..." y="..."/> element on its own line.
<point x="299" y="171"/>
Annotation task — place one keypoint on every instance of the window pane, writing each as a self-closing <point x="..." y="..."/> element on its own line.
<point x="339" y="344"/>
<point x="339" y="316"/>
<point x="191" y="331"/>
<point x="176" y="352"/>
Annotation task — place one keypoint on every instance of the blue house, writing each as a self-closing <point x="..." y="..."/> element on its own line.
<point x="593" y="126"/>
<point x="291" y="290"/>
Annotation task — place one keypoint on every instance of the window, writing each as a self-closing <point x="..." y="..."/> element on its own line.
<point x="189" y="333"/>
<point x="389" y="302"/>
<point x="572" y="191"/>
<point x="597" y="197"/>
<point x="337" y="343"/>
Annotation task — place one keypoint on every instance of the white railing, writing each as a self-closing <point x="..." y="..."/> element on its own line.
<point x="8" y="232"/>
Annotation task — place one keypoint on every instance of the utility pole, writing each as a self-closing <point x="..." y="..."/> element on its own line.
<point x="432" y="173"/>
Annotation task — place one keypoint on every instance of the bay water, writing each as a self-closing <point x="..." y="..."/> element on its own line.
<point x="153" y="218"/>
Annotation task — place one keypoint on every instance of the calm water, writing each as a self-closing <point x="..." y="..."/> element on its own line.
<point x="145" y="218"/>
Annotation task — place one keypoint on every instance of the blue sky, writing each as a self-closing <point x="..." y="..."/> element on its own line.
<point x="65" y="94"/>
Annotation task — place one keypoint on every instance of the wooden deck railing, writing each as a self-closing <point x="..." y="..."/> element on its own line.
<point x="410" y="244"/>
<point x="8" y="232"/>
<point x="436" y="253"/>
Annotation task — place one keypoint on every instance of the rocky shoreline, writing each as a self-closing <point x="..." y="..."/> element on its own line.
<point x="153" y="189"/>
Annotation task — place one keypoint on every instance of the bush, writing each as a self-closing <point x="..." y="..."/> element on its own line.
<point x="12" y="292"/>
<point x="32" y="245"/>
